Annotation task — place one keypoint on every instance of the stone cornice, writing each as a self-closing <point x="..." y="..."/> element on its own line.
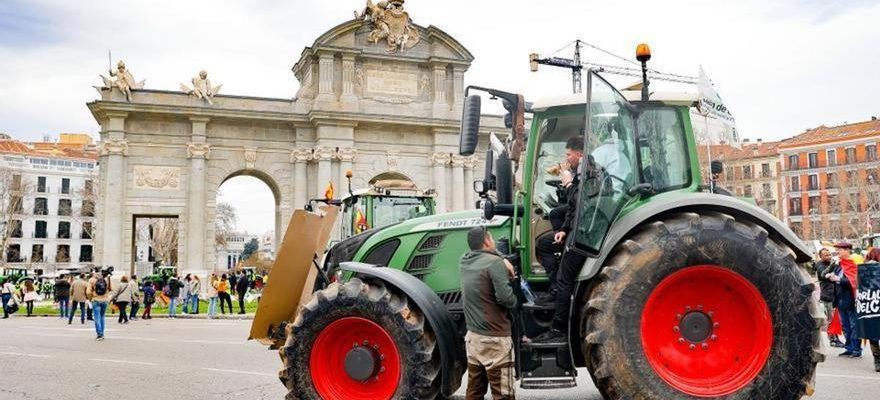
<point x="300" y="155"/>
<point x="441" y="159"/>
<point x="101" y="109"/>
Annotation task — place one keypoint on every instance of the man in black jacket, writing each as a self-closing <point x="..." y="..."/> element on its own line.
<point x="62" y="295"/>
<point x="173" y="293"/>
<point x="824" y="267"/>
<point x="241" y="289"/>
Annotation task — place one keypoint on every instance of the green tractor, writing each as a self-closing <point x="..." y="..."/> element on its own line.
<point x="389" y="198"/>
<point x="684" y="293"/>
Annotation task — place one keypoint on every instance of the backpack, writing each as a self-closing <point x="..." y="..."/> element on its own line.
<point x="150" y="296"/>
<point x="101" y="287"/>
<point x="167" y="290"/>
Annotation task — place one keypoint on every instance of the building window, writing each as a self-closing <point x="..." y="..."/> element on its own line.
<point x="86" y="231"/>
<point x="814" y="182"/>
<point x="87" y="187"/>
<point x="41" y="206"/>
<point x="854" y="205"/>
<point x="41" y="184"/>
<point x="793" y="161"/>
<point x="794" y="206"/>
<point x="747" y="172"/>
<point x="766" y="191"/>
<point x="872" y="176"/>
<point x="730" y="174"/>
<point x="13" y="253"/>
<point x="63" y="230"/>
<point x="871" y="152"/>
<point x="830" y="180"/>
<point x="796" y="228"/>
<point x="833" y="204"/>
<point x="63" y="253"/>
<point x="85" y="253"/>
<point x="40" y="231"/>
<point x="815" y="205"/>
<point x="795" y="184"/>
<point x="64" y="207"/>
<point x="813" y="158"/>
<point x="747" y="192"/>
<point x="15" y="228"/>
<point x="65" y="186"/>
<point x="37" y="253"/>
<point x="850" y="155"/>
<point x="832" y="158"/>
<point x="88" y="208"/>
<point x="765" y="170"/>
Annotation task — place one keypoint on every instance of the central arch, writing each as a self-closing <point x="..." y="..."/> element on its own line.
<point x="276" y="195"/>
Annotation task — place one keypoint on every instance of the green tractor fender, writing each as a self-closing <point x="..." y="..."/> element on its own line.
<point x="451" y="346"/>
<point x="698" y="203"/>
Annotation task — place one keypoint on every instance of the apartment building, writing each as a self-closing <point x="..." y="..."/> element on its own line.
<point x="831" y="181"/>
<point x="47" y="209"/>
<point x="751" y="171"/>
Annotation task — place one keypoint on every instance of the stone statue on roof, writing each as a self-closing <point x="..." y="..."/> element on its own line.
<point x="390" y="22"/>
<point x="201" y="87"/>
<point x="124" y="80"/>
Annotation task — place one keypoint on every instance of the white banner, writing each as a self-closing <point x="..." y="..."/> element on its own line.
<point x="711" y="106"/>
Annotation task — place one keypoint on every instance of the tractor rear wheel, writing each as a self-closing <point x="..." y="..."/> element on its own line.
<point x="697" y="306"/>
<point x="360" y="340"/>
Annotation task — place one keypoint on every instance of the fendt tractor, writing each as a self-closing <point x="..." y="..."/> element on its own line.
<point x="685" y="293"/>
<point x="389" y="198"/>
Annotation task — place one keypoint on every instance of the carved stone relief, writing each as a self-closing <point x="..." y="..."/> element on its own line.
<point x="153" y="177"/>
<point x="114" y="147"/>
<point x="250" y="157"/>
<point x="198" y="150"/>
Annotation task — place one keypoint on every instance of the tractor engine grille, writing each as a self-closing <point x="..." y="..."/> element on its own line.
<point x="420" y="264"/>
<point x="451" y="299"/>
<point x="432" y="243"/>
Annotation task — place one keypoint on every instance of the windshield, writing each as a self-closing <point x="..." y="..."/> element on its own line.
<point x="391" y="210"/>
<point x="610" y="160"/>
<point x="552" y="171"/>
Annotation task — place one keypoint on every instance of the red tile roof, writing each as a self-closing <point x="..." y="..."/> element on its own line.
<point x="11" y="146"/>
<point x="824" y="134"/>
<point x="748" y="150"/>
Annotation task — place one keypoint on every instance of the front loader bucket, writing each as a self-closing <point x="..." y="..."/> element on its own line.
<point x="292" y="276"/>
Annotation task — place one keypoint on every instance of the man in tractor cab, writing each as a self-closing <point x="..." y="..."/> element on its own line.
<point x="547" y="247"/>
<point x="487" y="296"/>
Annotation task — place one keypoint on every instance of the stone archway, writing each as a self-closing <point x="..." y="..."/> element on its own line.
<point x="276" y="195"/>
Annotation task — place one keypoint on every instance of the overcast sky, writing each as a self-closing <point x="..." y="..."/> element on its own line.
<point x="781" y="66"/>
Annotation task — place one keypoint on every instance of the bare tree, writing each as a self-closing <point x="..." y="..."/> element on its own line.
<point x="224" y="224"/>
<point x="13" y="192"/>
<point x="861" y="201"/>
<point x="163" y="237"/>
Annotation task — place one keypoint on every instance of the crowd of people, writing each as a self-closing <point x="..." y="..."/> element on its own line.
<point x="838" y="286"/>
<point x="96" y="293"/>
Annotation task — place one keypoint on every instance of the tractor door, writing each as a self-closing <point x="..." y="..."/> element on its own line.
<point x="609" y="168"/>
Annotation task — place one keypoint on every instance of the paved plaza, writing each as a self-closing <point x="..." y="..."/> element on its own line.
<point x="43" y="358"/>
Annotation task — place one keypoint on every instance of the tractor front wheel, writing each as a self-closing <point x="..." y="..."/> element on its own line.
<point x="360" y="341"/>
<point x="698" y="306"/>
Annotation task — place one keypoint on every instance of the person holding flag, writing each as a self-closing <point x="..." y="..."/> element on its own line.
<point x="846" y="278"/>
<point x="868" y="303"/>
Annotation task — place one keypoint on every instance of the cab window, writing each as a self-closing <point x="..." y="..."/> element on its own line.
<point x="662" y="149"/>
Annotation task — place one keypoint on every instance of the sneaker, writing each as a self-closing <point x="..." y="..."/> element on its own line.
<point x="551" y="336"/>
<point x="837" y="343"/>
<point x="100" y="338"/>
<point x="856" y="355"/>
<point x="845" y="354"/>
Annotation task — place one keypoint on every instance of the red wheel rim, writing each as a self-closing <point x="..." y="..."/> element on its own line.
<point x="327" y="361"/>
<point x="718" y="306"/>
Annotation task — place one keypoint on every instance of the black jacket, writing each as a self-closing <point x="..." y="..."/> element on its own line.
<point x="827" y="288"/>
<point x="571" y="200"/>
<point x="62" y="288"/>
<point x="174" y="286"/>
<point x="242" y="284"/>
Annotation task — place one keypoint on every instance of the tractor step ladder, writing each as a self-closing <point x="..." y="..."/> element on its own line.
<point x="549" y="375"/>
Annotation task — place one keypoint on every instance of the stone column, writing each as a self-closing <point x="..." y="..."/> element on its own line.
<point x="323" y="155"/>
<point x="458" y="189"/>
<point x="346" y="156"/>
<point x="458" y="87"/>
<point x="196" y="228"/>
<point x="113" y="151"/>
<point x="348" y="78"/>
<point x="441" y="107"/>
<point x="325" y="71"/>
<point x="300" y="158"/>
<point x="440" y="161"/>
<point x="469" y="164"/>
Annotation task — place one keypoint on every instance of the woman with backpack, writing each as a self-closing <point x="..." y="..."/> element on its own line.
<point x="99" y="293"/>
<point x="149" y="299"/>
<point x="7" y="294"/>
<point x="29" y="295"/>
<point x="122" y="297"/>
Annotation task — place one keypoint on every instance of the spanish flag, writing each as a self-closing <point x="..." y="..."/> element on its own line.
<point x="328" y="192"/>
<point x="361" y="224"/>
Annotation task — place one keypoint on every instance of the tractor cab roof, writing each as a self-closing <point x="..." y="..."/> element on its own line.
<point x="670" y="98"/>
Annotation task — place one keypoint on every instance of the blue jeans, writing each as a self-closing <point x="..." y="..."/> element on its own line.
<point x="82" y="312"/>
<point x="99" y="311"/>
<point x="5" y="297"/>
<point x="185" y="300"/>
<point x="849" y="318"/>
<point x="63" y="306"/>
<point x="172" y="306"/>
<point x="212" y="307"/>
<point x="194" y="303"/>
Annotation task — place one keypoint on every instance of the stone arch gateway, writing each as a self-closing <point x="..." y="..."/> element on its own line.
<point x="360" y="106"/>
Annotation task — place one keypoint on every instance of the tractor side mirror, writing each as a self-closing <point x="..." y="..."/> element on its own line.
<point x="470" y="125"/>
